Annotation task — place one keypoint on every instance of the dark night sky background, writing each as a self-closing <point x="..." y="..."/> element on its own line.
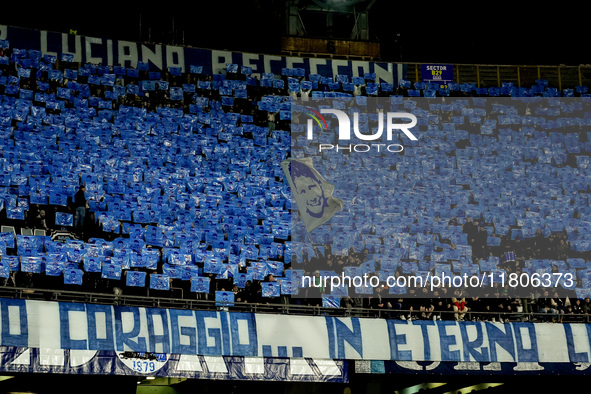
<point x="438" y="35"/>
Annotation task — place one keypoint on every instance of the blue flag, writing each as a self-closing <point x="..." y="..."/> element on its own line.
<point x="93" y="264"/>
<point x="31" y="264"/>
<point x="135" y="278"/>
<point x="111" y="271"/>
<point x="13" y="262"/>
<point x="64" y="219"/>
<point x="159" y="282"/>
<point x="224" y="298"/>
<point x="287" y="288"/>
<point x="54" y="268"/>
<point x="330" y="301"/>
<point x="270" y="289"/>
<point x="73" y="276"/>
<point x="241" y="279"/>
<point x="200" y="284"/>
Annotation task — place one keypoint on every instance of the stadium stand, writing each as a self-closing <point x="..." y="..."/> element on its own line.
<point x="186" y="206"/>
<point x="185" y="195"/>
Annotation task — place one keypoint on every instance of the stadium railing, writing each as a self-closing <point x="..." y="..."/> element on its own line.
<point x="278" y="308"/>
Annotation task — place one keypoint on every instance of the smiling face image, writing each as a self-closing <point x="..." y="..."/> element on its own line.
<point x="313" y="194"/>
<point x="309" y="189"/>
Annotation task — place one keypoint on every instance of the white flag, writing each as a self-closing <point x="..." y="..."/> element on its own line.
<point x="312" y="193"/>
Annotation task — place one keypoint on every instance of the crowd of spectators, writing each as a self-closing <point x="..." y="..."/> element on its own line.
<point x="87" y="206"/>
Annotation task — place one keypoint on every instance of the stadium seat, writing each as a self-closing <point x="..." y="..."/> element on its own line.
<point x="8" y="229"/>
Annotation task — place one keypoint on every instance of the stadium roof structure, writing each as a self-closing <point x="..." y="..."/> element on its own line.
<point x="407" y="32"/>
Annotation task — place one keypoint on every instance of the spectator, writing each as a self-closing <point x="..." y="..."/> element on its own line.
<point x="314" y="292"/>
<point x="271" y="122"/>
<point x="80" y="205"/>
<point x="460" y="306"/>
<point x="558" y="306"/>
<point x="40" y="221"/>
<point x="504" y="307"/>
<point x="477" y="305"/>
<point x="398" y="305"/>
<point x="380" y="303"/>
<point x="570" y="315"/>
<point x="443" y="306"/>
<point x="545" y="306"/>
<point x="244" y="294"/>
<point x="414" y="304"/>
<point x="578" y="307"/>
<point x="586" y="306"/>
<point x="426" y="304"/>
<point x="562" y="249"/>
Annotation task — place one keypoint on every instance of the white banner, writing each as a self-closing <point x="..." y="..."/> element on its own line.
<point x="76" y="326"/>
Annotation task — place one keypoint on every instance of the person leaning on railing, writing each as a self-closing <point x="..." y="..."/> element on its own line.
<point x="460" y="308"/>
